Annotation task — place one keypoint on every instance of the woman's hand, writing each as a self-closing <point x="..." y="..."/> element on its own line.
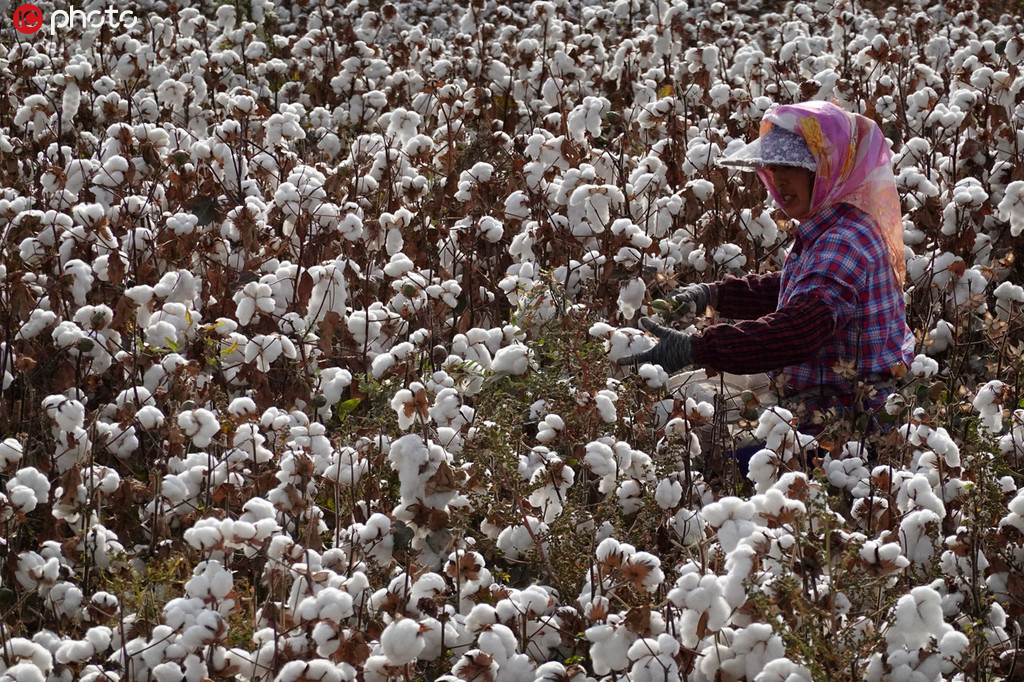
<point x="674" y="350"/>
<point x="692" y="299"/>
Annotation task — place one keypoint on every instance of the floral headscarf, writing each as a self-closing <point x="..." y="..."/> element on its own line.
<point x="854" y="166"/>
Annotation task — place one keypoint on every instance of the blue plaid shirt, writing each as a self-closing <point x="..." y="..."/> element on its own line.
<point x="839" y="258"/>
<point x="835" y="304"/>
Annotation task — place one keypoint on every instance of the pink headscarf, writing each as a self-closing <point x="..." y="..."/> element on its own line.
<point x="854" y="166"/>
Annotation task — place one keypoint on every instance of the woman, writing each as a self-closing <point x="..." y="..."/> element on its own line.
<point x="834" y="316"/>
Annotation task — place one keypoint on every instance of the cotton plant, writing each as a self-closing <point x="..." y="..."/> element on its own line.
<point x="784" y="446"/>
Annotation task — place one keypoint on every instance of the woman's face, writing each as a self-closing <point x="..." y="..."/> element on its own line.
<point x="795" y="187"/>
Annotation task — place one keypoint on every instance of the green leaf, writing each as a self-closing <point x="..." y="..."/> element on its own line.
<point x="347" y="407"/>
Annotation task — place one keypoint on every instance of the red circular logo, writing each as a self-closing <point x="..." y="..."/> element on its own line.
<point x="28" y="19"/>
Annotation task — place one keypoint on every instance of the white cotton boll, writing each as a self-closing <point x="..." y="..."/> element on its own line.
<point x="491" y="229"/>
<point x="255" y="297"/>
<point x="916" y="544"/>
<point x="644" y="570"/>
<point x="549" y="428"/>
<point x="730" y="256"/>
<point x="754" y="646"/>
<point x="631" y="296"/>
<point x="242" y="407"/>
<point x="918" y="617"/>
<point x="938" y="340"/>
<point x="668" y="493"/>
<point x="38" y="321"/>
<point x="11" y="452"/>
<point x="149" y="417"/>
<point x="953" y="644"/>
<point x="630" y="496"/>
<point x="605" y="403"/>
<point x="609" y="647"/>
<point x="625" y="342"/>
<point x="200" y="424"/>
<point x="401" y="641"/>
<point x="168" y="671"/>
<point x="698" y="259"/>
<point x="1011" y="207"/>
<point x="515" y="359"/>
<point x="162" y="334"/>
<point x="783" y="670"/>
<point x="702" y="189"/>
<point x="924" y="367"/>
<point x="1006" y="294"/>
<point x="28" y="488"/>
<point x="517" y="206"/>
<point x="23" y="672"/>
<point x="601" y="459"/>
<point x="733" y="518"/>
<point x="410" y="404"/>
<point x="989" y="404"/>
<point x="67" y="414"/>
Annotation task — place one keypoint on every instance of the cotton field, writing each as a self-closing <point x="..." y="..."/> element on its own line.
<point x="310" y="314"/>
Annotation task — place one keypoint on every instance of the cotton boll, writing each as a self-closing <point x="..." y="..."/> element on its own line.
<point x="1011" y="207"/>
<point x="914" y="534"/>
<point x="988" y="403"/>
<point x="732" y="518"/>
<point x="200" y="424"/>
<point x="938" y="340"/>
<point x="729" y="256"/>
<point x="11" y="452"/>
<point x="609" y="647"/>
<point x="924" y="367"/>
<point x="622" y="343"/>
<point x="410" y="404"/>
<point x="918" y="617"/>
<point x="515" y="360"/>
<point x="28" y="488"/>
<point x="1006" y="295"/>
<point x="549" y="428"/>
<point x="66" y="414"/>
<point x="668" y="493"/>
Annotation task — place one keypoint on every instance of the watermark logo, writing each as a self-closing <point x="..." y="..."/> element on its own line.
<point x="28" y="19"/>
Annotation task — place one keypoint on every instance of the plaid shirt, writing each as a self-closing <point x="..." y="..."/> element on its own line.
<point x="835" y="301"/>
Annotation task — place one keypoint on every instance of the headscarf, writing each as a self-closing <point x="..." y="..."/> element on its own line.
<point x="854" y="165"/>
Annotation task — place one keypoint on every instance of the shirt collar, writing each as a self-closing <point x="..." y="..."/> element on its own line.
<point x="808" y="231"/>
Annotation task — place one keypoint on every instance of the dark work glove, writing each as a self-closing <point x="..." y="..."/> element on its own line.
<point x="692" y="299"/>
<point x="674" y="350"/>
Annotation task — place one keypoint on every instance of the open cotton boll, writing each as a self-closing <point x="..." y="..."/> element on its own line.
<point x="783" y="670"/>
<point x="549" y="428"/>
<point x="989" y="404"/>
<point x="625" y="342"/>
<point x="11" y="452"/>
<point x="918" y="546"/>
<point x="917" y="617"/>
<point x="401" y="642"/>
<point x="200" y="424"/>
<point x="729" y="256"/>
<point x="513" y="541"/>
<point x="410" y="404"/>
<point x="515" y="359"/>
<point x="733" y="519"/>
<point x="631" y="296"/>
<point x="924" y="367"/>
<point x="1006" y="294"/>
<point x="66" y="414"/>
<point x="609" y="646"/>
<point x="938" y="340"/>
<point x="1011" y="207"/>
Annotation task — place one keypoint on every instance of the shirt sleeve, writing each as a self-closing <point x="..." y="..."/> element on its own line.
<point x="790" y="335"/>
<point x="750" y="297"/>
